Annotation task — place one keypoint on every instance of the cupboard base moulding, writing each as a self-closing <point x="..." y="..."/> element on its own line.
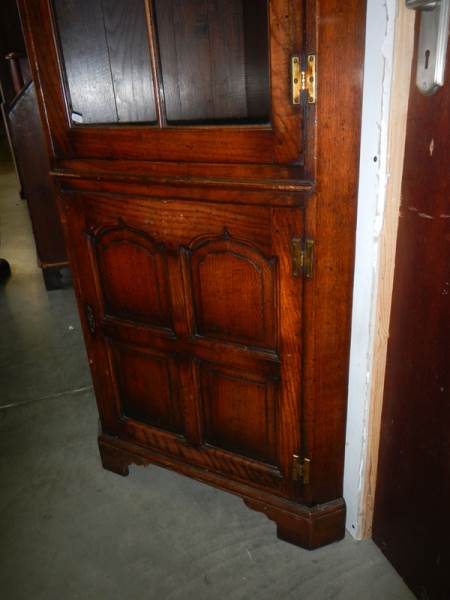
<point x="307" y="527"/>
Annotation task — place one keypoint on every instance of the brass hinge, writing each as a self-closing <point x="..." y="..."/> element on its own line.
<point x="302" y="257"/>
<point x="303" y="80"/>
<point x="301" y="469"/>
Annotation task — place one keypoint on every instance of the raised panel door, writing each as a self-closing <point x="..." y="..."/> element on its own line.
<point x="194" y="308"/>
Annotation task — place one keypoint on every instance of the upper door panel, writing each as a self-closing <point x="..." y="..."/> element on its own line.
<point x="185" y="80"/>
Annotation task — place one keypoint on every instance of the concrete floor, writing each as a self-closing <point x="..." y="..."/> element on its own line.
<point x="70" y="530"/>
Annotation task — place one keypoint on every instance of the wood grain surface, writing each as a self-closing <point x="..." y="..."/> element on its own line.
<point x="210" y="353"/>
<point x="411" y="521"/>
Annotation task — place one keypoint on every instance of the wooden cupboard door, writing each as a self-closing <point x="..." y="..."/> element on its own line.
<point x="193" y="323"/>
<point x="209" y="80"/>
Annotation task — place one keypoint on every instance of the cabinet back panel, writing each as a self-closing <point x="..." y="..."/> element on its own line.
<point x="214" y="67"/>
<point x="106" y="57"/>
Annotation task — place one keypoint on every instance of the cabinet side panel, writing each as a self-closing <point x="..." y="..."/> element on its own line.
<point x="331" y="221"/>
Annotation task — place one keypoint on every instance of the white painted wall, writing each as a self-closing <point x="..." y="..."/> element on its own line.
<point x="371" y="200"/>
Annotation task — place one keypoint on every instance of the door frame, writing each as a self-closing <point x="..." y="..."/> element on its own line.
<point x="380" y="188"/>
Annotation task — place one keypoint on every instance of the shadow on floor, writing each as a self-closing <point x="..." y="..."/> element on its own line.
<point x="70" y="530"/>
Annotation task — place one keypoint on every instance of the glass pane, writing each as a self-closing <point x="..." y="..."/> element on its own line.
<point x="107" y="61"/>
<point x="214" y="60"/>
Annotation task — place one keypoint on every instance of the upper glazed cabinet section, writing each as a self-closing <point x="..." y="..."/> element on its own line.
<point x="211" y="61"/>
<point x="185" y="80"/>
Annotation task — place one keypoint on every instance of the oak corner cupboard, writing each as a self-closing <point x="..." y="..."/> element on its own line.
<point x="205" y="156"/>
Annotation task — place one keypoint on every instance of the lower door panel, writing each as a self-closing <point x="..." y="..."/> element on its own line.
<point x="198" y="329"/>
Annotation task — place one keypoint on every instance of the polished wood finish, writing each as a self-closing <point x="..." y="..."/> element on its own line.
<point x="412" y="520"/>
<point x="16" y="73"/>
<point x="330" y="220"/>
<point x="209" y="355"/>
<point x="106" y="60"/>
<point x="297" y="524"/>
<point x="200" y="285"/>
<point x="279" y="143"/>
<point x="20" y="112"/>
<point x="28" y="143"/>
<point x="222" y="47"/>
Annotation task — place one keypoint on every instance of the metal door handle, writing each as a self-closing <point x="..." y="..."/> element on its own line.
<point x="433" y="37"/>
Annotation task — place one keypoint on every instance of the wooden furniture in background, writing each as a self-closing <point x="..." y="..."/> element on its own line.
<point x="11" y="41"/>
<point x="23" y="126"/>
<point x="209" y="209"/>
<point x="11" y="38"/>
<point x="27" y="142"/>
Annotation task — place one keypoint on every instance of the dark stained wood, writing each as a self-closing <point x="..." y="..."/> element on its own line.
<point x="106" y="59"/>
<point x="330" y="220"/>
<point x="21" y="120"/>
<point x="256" y="38"/>
<point x="28" y="144"/>
<point x="148" y="387"/>
<point x="208" y="63"/>
<point x="239" y="411"/>
<point x="222" y="269"/>
<point x="323" y="524"/>
<point x="217" y="191"/>
<point x="126" y="35"/>
<point x="11" y="41"/>
<point x="259" y="175"/>
<point x="208" y="355"/>
<point x="84" y="47"/>
<point x="11" y="38"/>
<point x="226" y="43"/>
<point x="141" y="298"/>
<point x="16" y="72"/>
<point x="189" y="235"/>
<point x="412" y="519"/>
<point x="280" y="143"/>
<point x="309" y="527"/>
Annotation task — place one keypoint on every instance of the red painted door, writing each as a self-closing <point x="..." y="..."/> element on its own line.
<point x="412" y="512"/>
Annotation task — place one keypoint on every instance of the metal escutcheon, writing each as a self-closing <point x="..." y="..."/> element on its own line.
<point x="433" y="37"/>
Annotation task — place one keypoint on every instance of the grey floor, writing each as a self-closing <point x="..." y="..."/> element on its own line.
<point x="70" y="530"/>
